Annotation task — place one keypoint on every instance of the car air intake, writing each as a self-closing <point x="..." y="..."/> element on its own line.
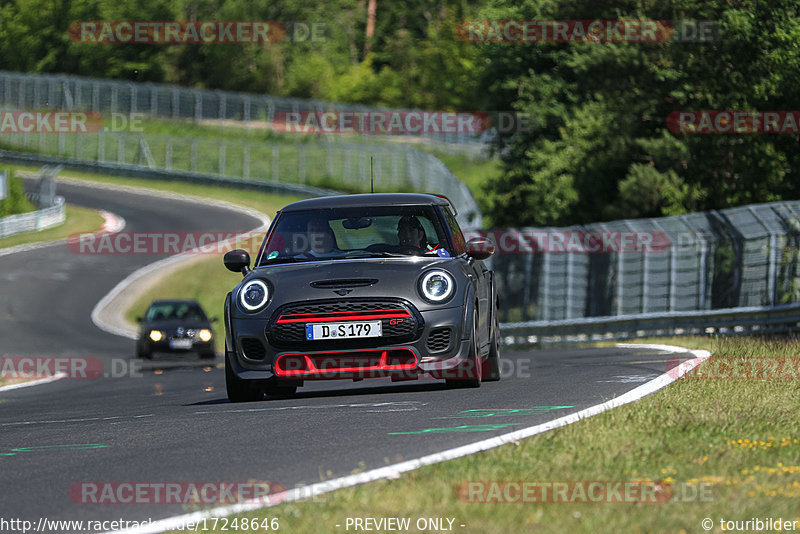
<point x="439" y="340"/>
<point x="346" y="364"/>
<point x="253" y="348"/>
<point x="344" y="282"/>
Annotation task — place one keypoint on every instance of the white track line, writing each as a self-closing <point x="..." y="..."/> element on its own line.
<point x="394" y="471"/>
<point x="98" y="315"/>
<point x="47" y="380"/>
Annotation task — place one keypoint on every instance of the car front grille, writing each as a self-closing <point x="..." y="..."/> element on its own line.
<point x="400" y="322"/>
<point x="438" y="340"/>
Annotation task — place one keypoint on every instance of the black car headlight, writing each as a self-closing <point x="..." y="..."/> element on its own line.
<point x="254" y="295"/>
<point x="436" y="286"/>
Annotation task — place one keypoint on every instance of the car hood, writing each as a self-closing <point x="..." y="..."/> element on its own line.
<point x="362" y="278"/>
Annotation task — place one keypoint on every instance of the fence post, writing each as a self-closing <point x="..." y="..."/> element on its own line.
<point x="301" y="164"/>
<point x="120" y="148"/>
<point x="193" y="156"/>
<point x="246" y="161"/>
<point x="176" y="103"/>
<point x="168" y="153"/>
<point x="570" y="283"/>
<point x="275" y="155"/>
<point x="702" y="280"/>
<point x="96" y="97"/>
<point x="153" y="101"/>
<point x="673" y="268"/>
<point x="101" y="145"/>
<point x="198" y="105"/>
<point x="772" y="269"/>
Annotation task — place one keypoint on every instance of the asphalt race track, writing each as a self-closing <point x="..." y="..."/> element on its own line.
<point x="177" y="425"/>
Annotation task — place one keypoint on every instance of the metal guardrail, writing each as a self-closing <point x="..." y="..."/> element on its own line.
<point x="69" y="92"/>
<point x="744" y="320"/>
<point x="34" y="220"/>
<point x="139" y="171"/>
<point x="312" y="167"/>
<point x="740" y="257"/>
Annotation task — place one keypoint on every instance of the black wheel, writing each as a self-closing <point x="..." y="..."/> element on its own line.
<point x="274" y="388"/>
<point x="491" y="366"/>
<point x="470" y="372"/>
<point x="145" y="353"/>
<point x="240" y="390"/>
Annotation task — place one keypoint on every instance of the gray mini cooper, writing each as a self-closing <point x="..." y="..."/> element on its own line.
<point x="361" y="286"/>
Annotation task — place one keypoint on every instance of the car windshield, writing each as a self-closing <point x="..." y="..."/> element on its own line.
<point x="347" y="233"/>
<point x="175" y="311"/>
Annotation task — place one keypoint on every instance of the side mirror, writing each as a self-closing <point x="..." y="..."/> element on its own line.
<point x="480" y="248"/>
<point x="237" y="261"/>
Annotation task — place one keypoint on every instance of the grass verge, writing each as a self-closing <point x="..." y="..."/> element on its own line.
<point x="79" y="220"/>
<point x="734" y="443"/>
<point x="271" y="155"/>
<point x="264" y="202"/>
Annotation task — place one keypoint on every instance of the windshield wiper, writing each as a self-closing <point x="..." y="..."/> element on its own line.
<point x="275" y="261"/>
<point x="377" y="255"/>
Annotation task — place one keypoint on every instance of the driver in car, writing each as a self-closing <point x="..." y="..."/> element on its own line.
<point x="410" y="233"/>
<point x="321" y="239"/>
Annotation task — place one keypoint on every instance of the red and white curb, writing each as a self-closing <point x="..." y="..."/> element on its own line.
<point x="394" y="471"/>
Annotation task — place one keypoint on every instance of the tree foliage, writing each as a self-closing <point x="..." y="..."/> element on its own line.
<point x="601" y="148"/>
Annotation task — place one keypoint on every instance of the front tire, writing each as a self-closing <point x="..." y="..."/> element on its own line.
<point x="240" y="390"/>
<point x="470" y="372"/>
<point x="144" y="353"/>
<point x="491" y="371"/>
<point x="274" y="388"/>
<point x="208" y="355"/>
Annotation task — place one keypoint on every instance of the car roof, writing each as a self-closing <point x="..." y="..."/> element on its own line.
<point x="368" y="199"/>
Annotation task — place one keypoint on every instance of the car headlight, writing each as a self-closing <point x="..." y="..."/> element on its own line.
<point x="204" y="335"/>
<point x="253" y="295"/>
<point x="155" y="335"/>
<point x="436" y="286"/>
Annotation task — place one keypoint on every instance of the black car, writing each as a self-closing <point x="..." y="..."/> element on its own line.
<point x="361" y="286"/>
<point x="175" y="326"/>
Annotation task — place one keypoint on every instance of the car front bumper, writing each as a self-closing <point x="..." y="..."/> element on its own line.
<point x="398" y="361"/>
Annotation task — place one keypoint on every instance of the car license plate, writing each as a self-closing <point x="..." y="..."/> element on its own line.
<point x="180" y="344"/>
<point x="343" y="330"/>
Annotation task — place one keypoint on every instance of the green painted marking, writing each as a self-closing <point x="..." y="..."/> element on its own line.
<point x="462" y="428"/>
<point x="60" y="447"/>
<point x="504" y="412"/>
